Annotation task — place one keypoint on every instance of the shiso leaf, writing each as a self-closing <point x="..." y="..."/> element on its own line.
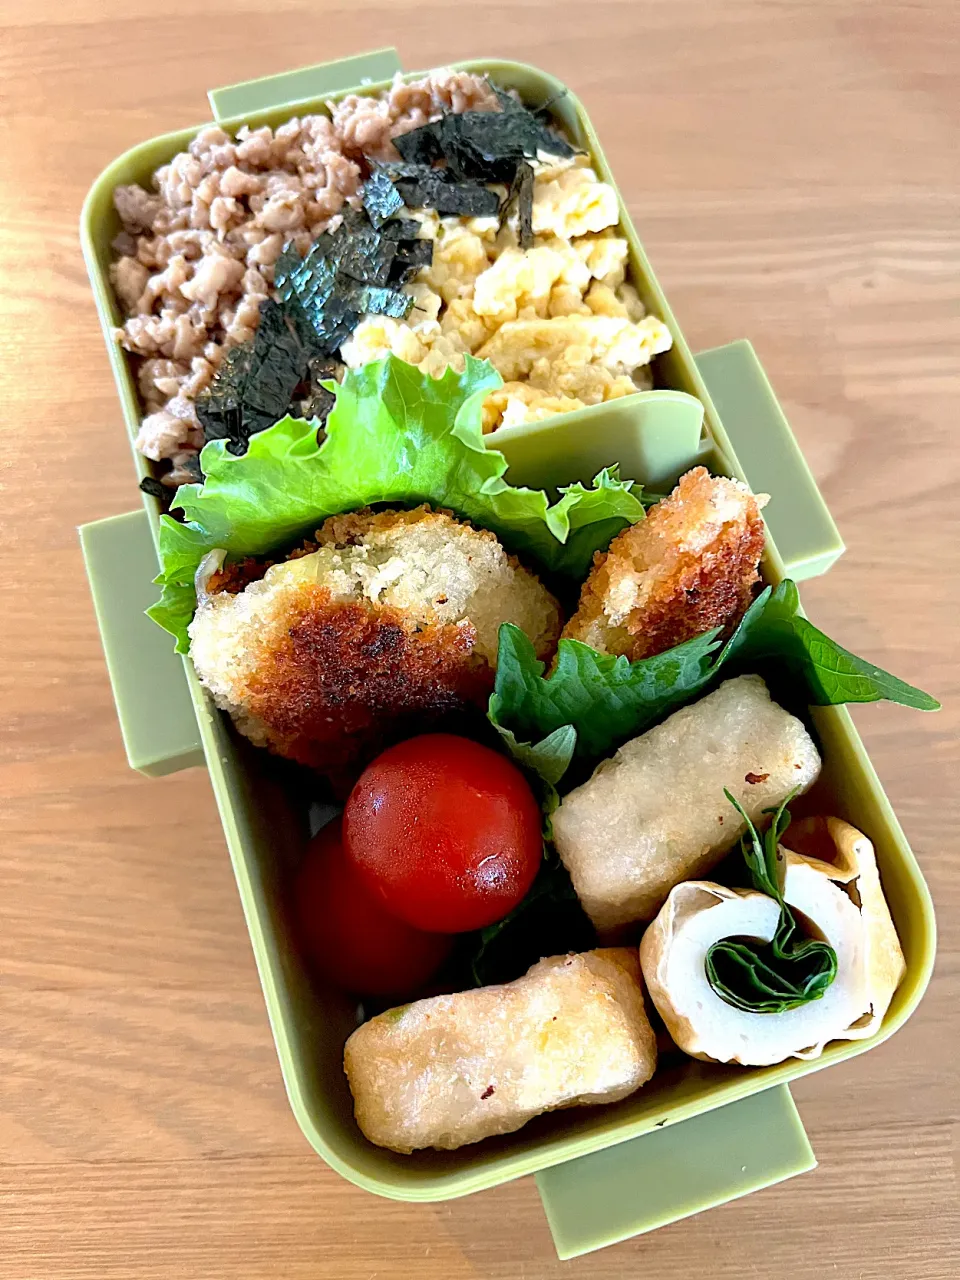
<point x="394" y="435"/>
<point x="775" y="630"/>
<point x="609" y="700"/>
<point x="550" y="758"/>
<point x="606" y="699"/>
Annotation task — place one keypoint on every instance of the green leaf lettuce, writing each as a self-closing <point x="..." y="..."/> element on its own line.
<point x="394" y="435"/>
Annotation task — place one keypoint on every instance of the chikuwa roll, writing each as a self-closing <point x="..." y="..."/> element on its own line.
<point x="655" y="814"/>
<point x="834" y="889"/>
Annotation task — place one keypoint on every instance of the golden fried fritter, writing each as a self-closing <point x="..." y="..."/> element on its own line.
<point x="383" y="623"/>
<point x="689" y="566"/>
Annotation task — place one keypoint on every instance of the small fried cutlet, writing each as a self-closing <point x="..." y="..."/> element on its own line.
<point x="390" y="621"/>
<point x="454" y="1069"/>
<point x="691" y="565"/>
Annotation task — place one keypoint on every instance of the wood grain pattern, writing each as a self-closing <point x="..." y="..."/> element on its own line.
<point x="794" y="174"/>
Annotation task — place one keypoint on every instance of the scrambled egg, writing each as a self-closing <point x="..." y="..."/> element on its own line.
<point x="557" y="320"/>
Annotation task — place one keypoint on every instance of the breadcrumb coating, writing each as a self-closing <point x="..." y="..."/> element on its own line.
<point x="386" y="623"/>
<point x="691" y="565"/>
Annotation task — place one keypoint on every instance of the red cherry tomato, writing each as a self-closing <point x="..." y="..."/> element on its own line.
<point x="446" y="832"/>
<point x="348" y="934"/>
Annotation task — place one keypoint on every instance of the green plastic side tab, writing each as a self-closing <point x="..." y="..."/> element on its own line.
<point x="674" y="1172"/>
<point x="156" y="713"/>
<point x="304" y="85"/>
<point x="653" y="436"/>
<point x="797" y="517"/>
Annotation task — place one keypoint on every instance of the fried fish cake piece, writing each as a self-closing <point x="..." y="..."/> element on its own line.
<point x="655" y="813"/>
<point x="390" y="621"/>
<point x="691" y="565"/>
<point x="454" y="1069"/>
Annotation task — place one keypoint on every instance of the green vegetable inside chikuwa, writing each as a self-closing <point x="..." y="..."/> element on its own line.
<point x="789" y="971"/>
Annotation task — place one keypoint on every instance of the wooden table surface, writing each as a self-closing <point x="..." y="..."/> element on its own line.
<point x="793" y="170"/>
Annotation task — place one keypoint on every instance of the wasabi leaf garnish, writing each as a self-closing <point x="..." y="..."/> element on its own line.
<point x="394" y="435"/>
<point x="789" y="971"/>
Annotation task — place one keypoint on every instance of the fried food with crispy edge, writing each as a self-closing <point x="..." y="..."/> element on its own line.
<point x="454" y="1069"/>
<point x="379" y="628"/>
<point x="691" y="565"/>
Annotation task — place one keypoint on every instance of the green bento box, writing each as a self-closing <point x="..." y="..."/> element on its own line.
<point x="699" y="1134"/>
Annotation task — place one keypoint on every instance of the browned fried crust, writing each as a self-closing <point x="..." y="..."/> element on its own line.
<point x="692" y="590"/>
<point x="345" y="677"/>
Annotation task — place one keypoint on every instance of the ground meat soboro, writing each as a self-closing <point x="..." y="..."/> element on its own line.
<point x="196" y="253"/>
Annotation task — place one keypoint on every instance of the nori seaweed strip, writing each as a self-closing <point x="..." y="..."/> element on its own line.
<point x="154" y="488"/>
<point x="347" y="273"/>
<point x="484" y="146"/>
<point x="380" y="198"/>
<point x="521" y="193"/>
<point x="311" y="399"/>
<point x="356" y="270"/>
<point x="421" y="146"/>
<point x="412" y="255"/>
<point x="536" y="134"/>
<point x="254" y="385"/>
<point x="401" y="229"/>
<point x="436" y="189"/>
<point x="192" y="464"/>
<point x="379" y="301"/>
<point x="367" y="258"/>
<point x="547" y="107"/>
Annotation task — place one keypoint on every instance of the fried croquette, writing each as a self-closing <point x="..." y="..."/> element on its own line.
<point x="390" y="622"/>
<point x="691" y="565"/>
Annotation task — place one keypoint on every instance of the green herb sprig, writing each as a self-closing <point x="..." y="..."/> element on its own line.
<point x="787" y="972"/>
